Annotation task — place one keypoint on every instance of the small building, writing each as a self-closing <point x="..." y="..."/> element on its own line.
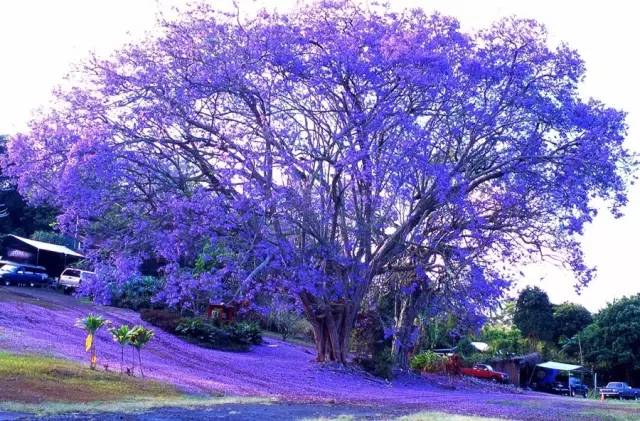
<point x="519" y="368"/>
<point x="55" y="258"/>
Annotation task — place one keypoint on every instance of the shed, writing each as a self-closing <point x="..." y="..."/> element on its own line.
<point x="55" y="258"/>
<point x="519" y="367"/>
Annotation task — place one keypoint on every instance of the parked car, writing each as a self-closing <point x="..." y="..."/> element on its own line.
<point x="573" y="387"/>
<point x="12" y="273"/>
<point x="485" y="371"/>
<point x="619" y="390"/>
<point x="71" y="277"/>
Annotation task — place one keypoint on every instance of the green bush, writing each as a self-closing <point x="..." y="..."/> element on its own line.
<point x="283" y="322"/>
<point x="465" y="348"/>
<point x="136" y="293"/>
<point x="380" y="364"/>
<point x="247" y="331"/>
<point x="234" y="337"/>
<point x="289" y="325"/>
<point x="427" y="361"/>
<point x="167" y="320"/>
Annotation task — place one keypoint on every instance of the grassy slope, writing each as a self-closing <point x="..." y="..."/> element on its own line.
<point x="45" y="385"/>
<point x="33" y="379"/>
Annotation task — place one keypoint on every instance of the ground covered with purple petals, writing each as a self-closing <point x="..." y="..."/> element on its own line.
<point x="42" y="321"/>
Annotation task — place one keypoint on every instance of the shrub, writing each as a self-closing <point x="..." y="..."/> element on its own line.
<point x="167" y="320"/>
<point x="136" y="293"/>
<point x="283" y="322"/>
<point x="303" y="330"/>
<point x="235" y="337"/>
<point x="380" y="365"/>
<point x="367" y="337"/>
<point x="427" y="361"/>
<point x="247" y="332"/>
<point x="465" y="348"/>
<point x="289" y="325"/>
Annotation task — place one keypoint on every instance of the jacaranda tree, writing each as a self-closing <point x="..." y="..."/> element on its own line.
<point x="318" y="150"/>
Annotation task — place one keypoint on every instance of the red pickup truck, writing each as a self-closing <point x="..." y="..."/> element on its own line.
<point x="485" y="371"/>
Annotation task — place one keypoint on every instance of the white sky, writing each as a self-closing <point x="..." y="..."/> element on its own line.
<point x="40" y="40"/>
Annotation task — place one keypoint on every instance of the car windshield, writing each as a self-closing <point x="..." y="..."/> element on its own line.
<point x="614" y="385"/>
<point x="8" y="268"/>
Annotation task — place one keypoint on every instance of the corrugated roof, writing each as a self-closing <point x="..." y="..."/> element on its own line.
<point x="559" y="366"/>
<point x="48" y="246"/>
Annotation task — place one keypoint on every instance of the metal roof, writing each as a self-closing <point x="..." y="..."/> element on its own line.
<point x="40" y="245"/>
<point x="559" y="366"/>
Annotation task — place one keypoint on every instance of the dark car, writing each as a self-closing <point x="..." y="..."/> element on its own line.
<point x="12" y="273"/>
<point x="619" y="390"/>
<point x="572" y="387"/>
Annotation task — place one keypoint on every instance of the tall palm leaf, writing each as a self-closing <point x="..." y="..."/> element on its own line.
<point x="138" y="338"/>
<point x="121" y="336"/>
<point x="91" y="324"/>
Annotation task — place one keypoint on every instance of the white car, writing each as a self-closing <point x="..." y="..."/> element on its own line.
<point x="71" y="277"/>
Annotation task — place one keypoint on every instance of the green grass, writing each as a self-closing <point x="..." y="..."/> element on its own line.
<point x="49" y="386"/>
<point x="33" y="379"/>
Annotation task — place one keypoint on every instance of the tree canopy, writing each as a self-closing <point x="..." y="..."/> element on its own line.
<point x="319" y="150"/>
<point x="612" y="341"/>
<point x="533" y="314"/>
<point x="569" y="319"/>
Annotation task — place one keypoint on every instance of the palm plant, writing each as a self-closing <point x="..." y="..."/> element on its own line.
<point x="121" y="336"/>
<point x="91" y="324"/>
<point x="139" y="336"/>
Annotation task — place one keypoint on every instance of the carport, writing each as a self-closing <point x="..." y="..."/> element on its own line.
<point x="55" y="258"/>
<point x="551" y="369"/>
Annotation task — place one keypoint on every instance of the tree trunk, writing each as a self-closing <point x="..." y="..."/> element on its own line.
<point x="404" y="333"/>
<point x="332" y="325"/>
<point x="140" y="363"/>
<point x="133" y="361"/>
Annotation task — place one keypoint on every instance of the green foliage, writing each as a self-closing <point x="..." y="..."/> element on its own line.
<point x="285" y="323"/>
<point x="121" y="334"/>
<point x="139" y="336"/>
<point x="247" y="332"/>
<point x="54" y="238"/>
<point x="167" y="320"/>
<point x="92" y="323"/>
<point x="534" y="314"/>
<point x="476" y="358"/>
<point x="435" y="332"/>
<point x="569" y="319"/>
<point x="503" y="340"/>
<point x="380" y="364"/>
<point x="427" y="361"/>
<point x="367" y="336"/>
<point x="234" y="337"/>
<point x="612" y="341"/>
<point x="137" y="292"/>
<point x="211" y="258"/>
<point x="504" y="315"/>
<point x="465" y="348"/>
